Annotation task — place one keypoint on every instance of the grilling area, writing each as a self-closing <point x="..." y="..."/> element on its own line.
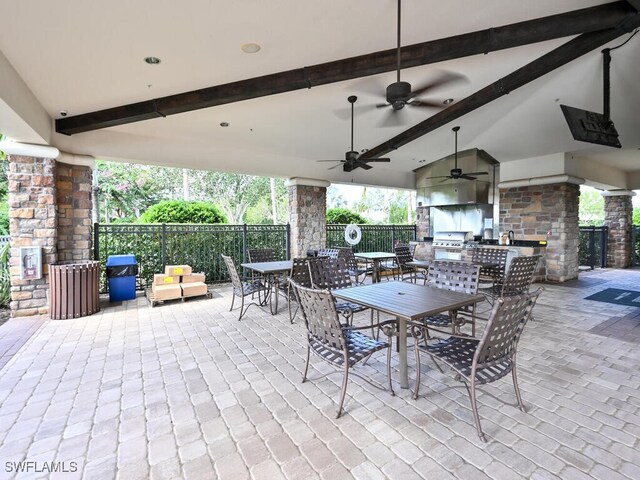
<point x="484" y="333"/>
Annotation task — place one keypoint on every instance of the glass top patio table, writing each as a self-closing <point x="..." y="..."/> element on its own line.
<point x="406" y="301"/>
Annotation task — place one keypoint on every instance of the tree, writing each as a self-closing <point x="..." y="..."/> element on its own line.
<point x="636" y="216"/>
<point x="181" y="211"/>
<point x="126" y="189"/>
<point x="234" y="193"/>
<point x="344" y="216"/>
<point x="591" y="207"/>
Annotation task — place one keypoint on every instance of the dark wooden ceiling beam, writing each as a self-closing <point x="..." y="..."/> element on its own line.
<point x="558" y="57"/>
<point x="484" y="41"/>
<point x="635" y="4"/>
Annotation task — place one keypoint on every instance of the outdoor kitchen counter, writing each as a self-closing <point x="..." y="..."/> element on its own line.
<point x="424" y="251"/>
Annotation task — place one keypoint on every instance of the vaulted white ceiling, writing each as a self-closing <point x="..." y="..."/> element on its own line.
<point x="84" y="56"/>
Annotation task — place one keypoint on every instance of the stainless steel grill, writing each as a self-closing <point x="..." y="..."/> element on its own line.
<point x="454" y="240"/>
<point x="448" y="245"/>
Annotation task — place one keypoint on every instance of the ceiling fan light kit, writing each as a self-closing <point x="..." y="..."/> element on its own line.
<point x="401" y="93"/>
<point x="457" y="173"/>
<point x="352" y="158"/>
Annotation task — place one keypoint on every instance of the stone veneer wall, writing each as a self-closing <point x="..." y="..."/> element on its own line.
<point x="618" y="216"/>
<point x="49" y="206"/>
<point x="307" y="218"/>
<point x="423" y="222"/>
<point x="73" y="184"/>
<point x="32" y="214"/>
<point x="534" y="210"/>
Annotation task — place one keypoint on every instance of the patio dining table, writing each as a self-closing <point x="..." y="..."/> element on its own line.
<point x="407" y="301"/>
<point x="271" y="272"/>
<point x="375" y="258"/>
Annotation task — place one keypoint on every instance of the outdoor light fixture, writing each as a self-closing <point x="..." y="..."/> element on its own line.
<point x="448" y="101"/>
<point x="152" y="60"/>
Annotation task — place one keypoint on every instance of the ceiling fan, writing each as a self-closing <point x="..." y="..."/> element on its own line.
<point x="456" y="172"/>
<point x="352" y="158"/>
<point x="400" y="94"/>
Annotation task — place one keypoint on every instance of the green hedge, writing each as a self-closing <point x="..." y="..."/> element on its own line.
<point x="181" y="211"/>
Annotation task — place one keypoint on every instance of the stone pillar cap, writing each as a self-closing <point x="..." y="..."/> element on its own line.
<point x="311" y="182"/>
<point x="618" y="193"/>
<point x="79" y="160"/>
<point x="547" y="180"/>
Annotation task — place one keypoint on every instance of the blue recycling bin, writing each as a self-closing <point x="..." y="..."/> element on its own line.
<point x="121" y="273"/>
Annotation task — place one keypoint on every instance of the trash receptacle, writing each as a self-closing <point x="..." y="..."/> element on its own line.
<point x="121" y="274"/>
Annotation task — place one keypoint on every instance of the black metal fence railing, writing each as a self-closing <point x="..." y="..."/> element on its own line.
<point x="635" y="244"/>
<point x="375" y="238"/>
<point x="197" y="245"/>
<point x="592" y="250"/>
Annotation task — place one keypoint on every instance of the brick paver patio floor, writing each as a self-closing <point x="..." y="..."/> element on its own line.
<point x="184" y="390"/>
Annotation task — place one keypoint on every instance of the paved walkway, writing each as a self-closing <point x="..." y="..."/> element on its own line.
<point x="14" y="333"/>
<point x="186" y="391"/>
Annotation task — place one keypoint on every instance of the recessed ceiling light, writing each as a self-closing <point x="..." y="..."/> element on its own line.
<point x="152" y="60"/>
<point x="250" y="47"/>
<point x="448" y="101"/>
<point x="224" y="124"/>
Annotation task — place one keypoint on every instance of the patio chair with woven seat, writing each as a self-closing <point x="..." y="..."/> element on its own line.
<point x="494" y="274"/>
<point x="484" y="360"/>
<point x="243" y="287"/>
<point x="328" y="253"/>
<point x="339" y="345"/>
<point x="404" y="255"/>
<point x="518" y="279"/>
<point x="457" y="277"/>
<point x="300" y="275"/>
<point x="332" y="274"/>
<point x="258" y="255"/>
<point x="355" y="269"/>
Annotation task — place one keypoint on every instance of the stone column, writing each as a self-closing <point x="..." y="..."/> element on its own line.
<point x="32" y="213"/>
<point x="423" y="222"/>
<point x="50" y="207"/>
<point x="618" y="216"/>
<point x="307" y="214"/>
<point x="74" y="208"/>
<point x="540" y="211"/>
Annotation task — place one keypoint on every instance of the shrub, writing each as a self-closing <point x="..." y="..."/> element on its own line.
<point x="5" y="277"/>
<point x="181" y="211"/>
<point x="344" y="216"/>
<point x="4" y="222"/>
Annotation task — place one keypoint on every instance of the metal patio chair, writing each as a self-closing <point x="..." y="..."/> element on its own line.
<point x="337" y="344"/>
<point x="328" y="253"/>
<point x="243" y="287"/>
<point x="355" y="269"/>
<point x="518" y="279"/>
<point x="484" y="360"/>
<point x="492" y="275"/>
<point x="404" y="255"/>
<point x="300" y="275"/>
<point x="457" y="277"/>
<point x="258" y="255"/>
<point x="331" y="274"/>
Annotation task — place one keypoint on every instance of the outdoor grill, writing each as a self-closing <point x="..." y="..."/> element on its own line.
<point x="447" y="245"/>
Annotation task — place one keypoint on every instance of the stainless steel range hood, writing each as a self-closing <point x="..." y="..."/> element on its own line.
<point x="436" y="192"/>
